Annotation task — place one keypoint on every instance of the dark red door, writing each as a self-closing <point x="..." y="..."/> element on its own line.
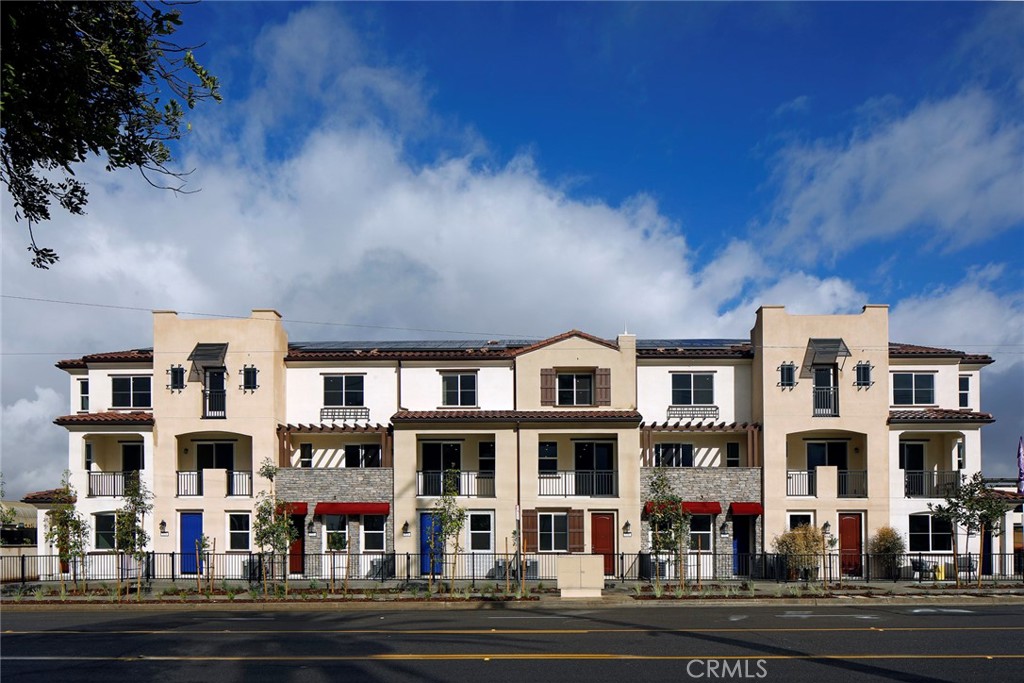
<point x="297" y="550"/>
<point x="602" y="539"/>
<point x="850" y="547"/>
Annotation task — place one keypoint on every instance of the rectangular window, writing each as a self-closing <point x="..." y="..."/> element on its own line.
<point x="961" y="455"/>
<point x="373" y="533"/>
<point x="83" y="395"/>
<point x="362" y="455"/>
<point x="700" y="533"/>
<point x="305" y="455"/>
<point x="673" y="455"/>
<point x="458" y="389"/>
<point x="131" y="392"/>
<point x="732" y="454"/>
<point x="798" y="519"/>
<point x="215" y="456"/>
<point x="249" y="377"/>
<point x="929" y="534"/>
<point x="487" y="457"/>
<point x="693" y="388"/>
<point x="335" y="532"/>
<point x="787" y="375"/>
<point x="105" y="531"/>
<point x="88" y="456"/>
<point x="176" y="377"/>
<point x="909" y="388"/>
<point x="238" y="531"/>
<point x="863" y="375"/>
<point x="553" y="532"/>
<point x="965" y="391"/>
<point x="343" y="390"/>
<point x="547" y="459"/>
<point x="575" y="389"/>
<point x="481" y="532"/>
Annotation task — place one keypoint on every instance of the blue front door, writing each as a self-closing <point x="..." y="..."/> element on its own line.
<point x="191" y="530"/>
<point x="430" y="558"/>
<point x="741" y="545"/>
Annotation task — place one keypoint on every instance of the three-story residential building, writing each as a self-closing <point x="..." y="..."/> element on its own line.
<point x="549" y="446"/>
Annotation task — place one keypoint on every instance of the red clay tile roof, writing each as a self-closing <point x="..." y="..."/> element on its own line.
<point x="482" y="353"/>
<point x="111" y="418"/>
<point x="130" y="356"/>
<point x="897" y="350"/>
<point x="48" y="496"/>
<point x="514" y="415"/>
<point x="562" y="337"/>
<point x="938" y="415"/>
<point x="1008" y="496"/>
<point x="732" y="351"/>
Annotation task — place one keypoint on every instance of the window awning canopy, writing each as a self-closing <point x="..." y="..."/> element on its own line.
<point x="696" y="507"/>
<point x="206" y="356"/>
<point x="822" y="352"/>
<point x="352" y="509"/>
<point x="746" y="509"/>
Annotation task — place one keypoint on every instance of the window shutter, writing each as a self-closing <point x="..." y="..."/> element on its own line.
<point x="575" y="531"/>
<point x="603" y="379"/>
<point x="547" y="386"/>
<point x="529" y="531"/>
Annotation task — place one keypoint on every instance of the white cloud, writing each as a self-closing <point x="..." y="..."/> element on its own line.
<point x="797" y="105"/>
<point x="949" y="171"/>
<point x="34" y="449"/>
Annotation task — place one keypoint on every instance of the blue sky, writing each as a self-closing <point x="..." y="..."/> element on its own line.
<point x="666" y="167"/>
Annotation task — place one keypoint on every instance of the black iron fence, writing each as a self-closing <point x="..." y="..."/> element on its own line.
<point x="400" y="568"/>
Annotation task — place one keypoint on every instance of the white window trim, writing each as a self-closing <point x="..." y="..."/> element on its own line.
<point x="692" y="374"/>
<point x="553" y="550"/>
<point x="362" y="536"/>
<point x="574" y="374"/>
<point x="132" y="376"/>
<point x="914" y="403"/>
<point x="469" y="533"/>
<point x="460" y="374"/>
<point x="229" y="534"/>
<point x="343" y="531"/>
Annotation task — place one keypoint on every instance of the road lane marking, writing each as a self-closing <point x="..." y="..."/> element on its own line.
<point x="809" y="615"/>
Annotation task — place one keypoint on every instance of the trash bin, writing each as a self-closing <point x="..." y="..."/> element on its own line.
<point x="645" y="571"/>
<point x="940" y="572"/>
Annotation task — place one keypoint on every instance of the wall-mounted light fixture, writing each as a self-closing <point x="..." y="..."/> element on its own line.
<point x="627" y="530"/>
<point x="826" y="528"/>
<point x="163" y="528"/>
<point x="724" y="530"/>
<point x="405" y="529"/>
<point x="310" y="531"/>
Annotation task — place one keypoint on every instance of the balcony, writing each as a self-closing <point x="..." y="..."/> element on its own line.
<point x="826" y="402"/>
<point x="930" y="483"/>
<point x="215" y="404"/>
<point x="340" y="414"/>
<point x="190" y="482"/>
<point x="578" y="483"/>
<point x="692" y="413"/>
<point x="852" y="484"/>
<point x="800" y="483"/>
<point x="109" y="484"/>
<point x="466" y="483"/>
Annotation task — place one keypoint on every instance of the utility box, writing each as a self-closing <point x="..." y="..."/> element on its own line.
<point x="580" y="576"/>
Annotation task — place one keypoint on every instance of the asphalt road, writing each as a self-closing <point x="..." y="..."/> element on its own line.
<point x="867" y="643"/>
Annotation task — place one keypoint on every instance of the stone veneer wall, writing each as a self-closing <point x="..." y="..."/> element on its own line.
<point x="722" y="484"/>
<point x="345" y="485"/>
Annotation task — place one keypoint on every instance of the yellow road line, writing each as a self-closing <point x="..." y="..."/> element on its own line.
<point x="508" y="631"/>
<point x="492" y="656"/>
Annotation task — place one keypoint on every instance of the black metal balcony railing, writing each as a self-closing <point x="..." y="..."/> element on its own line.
<point x="239" y="483"/>
<point x="339" y="413"/>
<point x="102" y="484"/>
<point x="800" y="483"/>
<point x="190" y="483"/>
<point x="930" y="483"/>
<point x="578" y="483"/>
<point x="465" y="483"/>
<point x="826" y="402"/>
<point x="215" y="403"/>
<point x="692" y="413"/>
<point x="852" y="484"/>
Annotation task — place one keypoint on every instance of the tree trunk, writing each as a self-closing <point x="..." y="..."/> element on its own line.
<point x="981" y="548"/>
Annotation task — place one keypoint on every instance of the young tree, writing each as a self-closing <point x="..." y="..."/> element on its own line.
<point x="973" y="507"/>
<point x="67" y="529"/>
<point x="449" y="520"/>
<point x="90" y="78"/>
<point x="130" y="533"/>
<point x="7" y="515"/>
<point x="271" y="528"/>
<point x="669" y="523"/>
<point x="887" y="547"/>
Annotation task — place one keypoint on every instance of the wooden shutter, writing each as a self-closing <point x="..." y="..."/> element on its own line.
<point x="547" y="386"/>
<point x="603" y="380"/>
<point x="529" y="531"/>
<point x="575" y="531"/>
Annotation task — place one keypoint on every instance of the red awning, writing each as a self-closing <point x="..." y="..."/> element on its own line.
<point x="701" y="507"/>
<point x="746" y="509"/>
<point x="693" y="507"/>
<point x="352" y="508"/>
<point x="293" y="508"/>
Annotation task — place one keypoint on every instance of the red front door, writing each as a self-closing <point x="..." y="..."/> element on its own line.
<point x="602" y="539"/>
<point x="850" y="547"/>
<point x="297" y="550"/>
